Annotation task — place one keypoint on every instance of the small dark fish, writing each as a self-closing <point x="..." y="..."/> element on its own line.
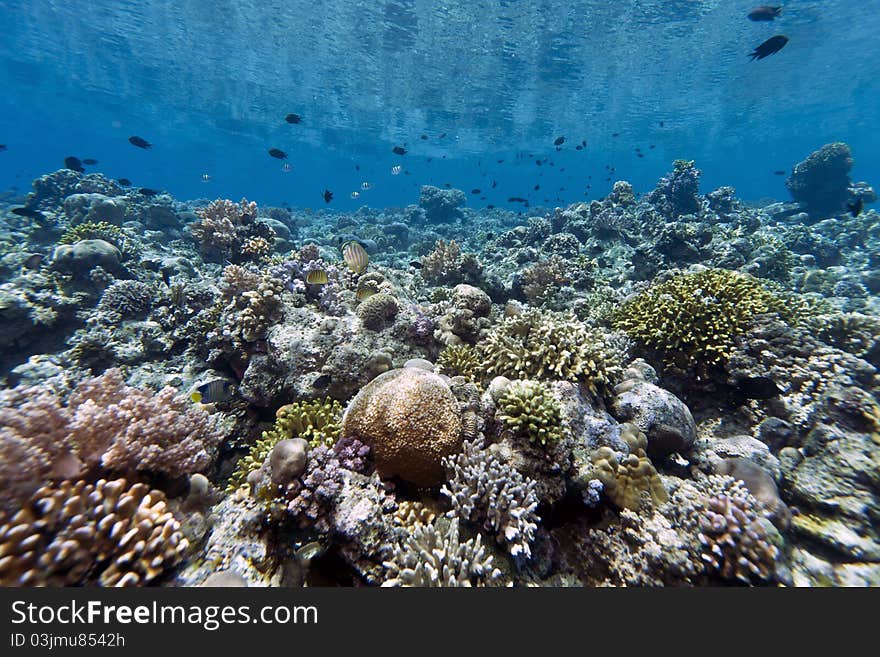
<point x="33" y="261"/>
<point x="770" y="46"/>
<point x="764" y="13"/>
<point x="490" y="207"/>
<point x="476" y="191"/>
<point x="447" y="185"/>
<point x="140" y="142"/>
<point x="357" y="167"/>
<point x="442" y="135"/>
<point x="74" y="164"/>
<point x="500" y="161"/>
<point x="757" y="387"/>
<point x="538" y="162"/>
<point x="212" y="392"/>
<point x="90" y="161"/>
<point x="615" y="134"/>
<point x="415" y="264"/>
<point x="536" y="187"/>
<point x="517" y="199"/>
<point x="398" y="150"/>
<point x="662" y="124"/>
<point x="423" y="137"/>
<point x="652" y="146"/>
<point x="29" y="213"/>
<point x="293" y="118"/>
<point x="146" y="191"/>
<point x="578" y="148"/>
<point x="125" y="182"/>
<point x="640" y="154"/>
<point x="2" y="147"/>
<point x="166" y="277"/>
<point x="584" y="143"/>
<point x="322" y="381"/>
<point x="559" y="141"/>
<point x="779" y="173"/>
<point x="494" y="184"/>
<point x="277" y="153"/>
<point x="856" y="206"/>
<point x="328" y="196"/>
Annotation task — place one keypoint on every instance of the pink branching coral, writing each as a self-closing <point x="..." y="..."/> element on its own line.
<point x="104" y="423"/>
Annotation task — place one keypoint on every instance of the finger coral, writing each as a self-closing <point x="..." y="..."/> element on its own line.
<point x="551" y="346"/>
<point x="485" y="490"/>
<point x="528" y="409"/>
<point x="107" y="533"/>
<point x="459" y="360"/>
<point x="433" y="556"/>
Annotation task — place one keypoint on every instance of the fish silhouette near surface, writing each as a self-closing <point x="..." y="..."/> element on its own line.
<point x="277" y="153"/>
<point x="328" y="196"/>
<point x="398" y="150"/>
<point x="140" y="142"/>
<point x="293" y="118"/>
<point x="770" y="46"/>
<point x="764" y="13"/>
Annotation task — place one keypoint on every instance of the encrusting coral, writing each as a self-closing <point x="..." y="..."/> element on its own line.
<point x="529" y="410"/>
<point x="625" y="478"/>
<point x="485" y="490"/>
<point x="109" y="533"/>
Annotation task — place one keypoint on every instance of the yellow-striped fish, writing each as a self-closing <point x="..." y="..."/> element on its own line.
<point x="317" y="277"/>
<point x="355" y="256"/>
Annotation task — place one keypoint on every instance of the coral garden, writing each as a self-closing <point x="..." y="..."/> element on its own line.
<point x="670" y="389"/>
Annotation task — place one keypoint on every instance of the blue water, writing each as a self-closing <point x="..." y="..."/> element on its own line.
<point x="209" y="84"/>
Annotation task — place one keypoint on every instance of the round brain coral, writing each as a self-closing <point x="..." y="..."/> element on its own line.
<point x="411" y="420"/>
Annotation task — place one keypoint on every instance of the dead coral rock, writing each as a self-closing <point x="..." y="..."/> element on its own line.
<point x="411" y="420"/>
<point x="665" y="419"/>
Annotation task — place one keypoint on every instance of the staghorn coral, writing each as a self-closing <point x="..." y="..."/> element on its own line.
<point x="318" y="422"/>
<point x="485" y="490"/>
<point x="548" y="345"/>
<point x="433" y="556"/>
<point x="409" y="513"/>
<point x="625" y="478"/>
<point x="410" y="419"/>
<point x="107" y="533"/>
<point x="736" y="544"/>
<point x="529" y="410"/>
<point x="459" y="360"/>
<point x="125" y="429"/>
<point x="693" y="318"/>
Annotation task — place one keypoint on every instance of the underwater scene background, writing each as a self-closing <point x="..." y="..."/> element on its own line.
<point x="405" y="293"/>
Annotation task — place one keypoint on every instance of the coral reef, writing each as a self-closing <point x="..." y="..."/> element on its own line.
<point x="433" y="556"/>
<point x="441" y="205"/>
<point x="677" y="193"/>
<point x="109" y="533"/>
<point x="229" y="231"/>
<point x="410" y="419"/>
<point x="821" y="181"/>
<point x="446" y="265"/>
<point x="484" y="490"/>
<point x="528" y="409"/>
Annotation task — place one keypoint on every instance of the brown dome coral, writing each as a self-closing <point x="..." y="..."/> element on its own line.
<point x="411" y="420"/>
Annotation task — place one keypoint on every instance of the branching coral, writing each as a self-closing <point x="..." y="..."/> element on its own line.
<point x="529" y="410"/>
<point x="251" y="303"/>
<point x="108" y="533"/>
<point x="227" y="231"/>
<point x="547" y="345"/>
<point x="94" y="230"/>
<point x="446" y="265"/>
<point x="693" y="318"/>
<point x="459" y="360"/>
<point x="542" y="280"/>
<point x="735" y="539"/>
<point x="433" y="556"/>
<point x="318" y="422"/>
<point x="485" y="490"/>
<point x="125" y="299"/>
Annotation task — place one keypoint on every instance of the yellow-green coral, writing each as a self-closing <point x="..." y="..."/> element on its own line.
<point x="693" y="318"/>
<point x="459" y="360"/>
<point x="625" y="479"/>
<point x="319" y="422"/>
<point x="92" y="230"/>
<point x="550" y="346"/>
<point x="529" y="410"/>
